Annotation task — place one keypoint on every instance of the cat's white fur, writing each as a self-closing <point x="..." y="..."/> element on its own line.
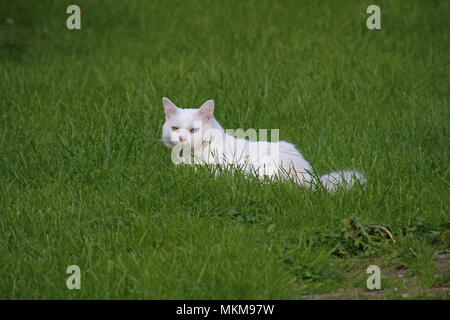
<point x="199" y="133"/>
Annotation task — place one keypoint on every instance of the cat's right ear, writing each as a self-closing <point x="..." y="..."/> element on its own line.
<point x="169" y="107"/>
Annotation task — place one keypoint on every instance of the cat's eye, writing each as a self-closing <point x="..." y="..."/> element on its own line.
<point x="174" y="128"/>
<point x="193" y="130"/>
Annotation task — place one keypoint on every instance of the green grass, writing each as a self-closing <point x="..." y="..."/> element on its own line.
<point x="85" y="179"/>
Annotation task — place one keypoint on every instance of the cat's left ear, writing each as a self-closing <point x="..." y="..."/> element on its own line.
<point x="206" y="111"/>
<point x="169" y="107"/>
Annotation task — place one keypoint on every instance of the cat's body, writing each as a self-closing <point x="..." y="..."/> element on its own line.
<point x="198" y="133"/>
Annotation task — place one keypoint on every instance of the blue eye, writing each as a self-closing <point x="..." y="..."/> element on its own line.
<point x="193" y="130"/>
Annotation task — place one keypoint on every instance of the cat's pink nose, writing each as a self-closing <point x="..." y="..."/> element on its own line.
<point x="182" y="138"/>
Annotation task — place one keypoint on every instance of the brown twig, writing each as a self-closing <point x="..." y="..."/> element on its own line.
<point x="384" y="228"/>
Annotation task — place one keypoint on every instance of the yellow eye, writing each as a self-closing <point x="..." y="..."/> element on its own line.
<point x="174" y="128"/>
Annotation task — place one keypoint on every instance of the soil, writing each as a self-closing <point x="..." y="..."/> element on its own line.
<point x="407" y="286"/>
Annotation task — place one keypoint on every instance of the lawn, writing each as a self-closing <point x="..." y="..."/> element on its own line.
<point x="85" y="179"/>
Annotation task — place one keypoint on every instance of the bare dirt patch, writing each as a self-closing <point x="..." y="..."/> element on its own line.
<point x="402" y="286"/>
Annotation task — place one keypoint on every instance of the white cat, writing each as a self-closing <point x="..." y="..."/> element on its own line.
<point x="195" y="137"/>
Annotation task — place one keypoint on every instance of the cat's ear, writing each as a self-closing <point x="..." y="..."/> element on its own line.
<point x="169" y="107"/>
<point x="206" y="111"/>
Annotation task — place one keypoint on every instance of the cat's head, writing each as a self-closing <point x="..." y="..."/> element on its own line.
<point x="190" y="127"/>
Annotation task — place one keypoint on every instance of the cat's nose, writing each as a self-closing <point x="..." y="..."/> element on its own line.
<point x="182" y="138"/>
